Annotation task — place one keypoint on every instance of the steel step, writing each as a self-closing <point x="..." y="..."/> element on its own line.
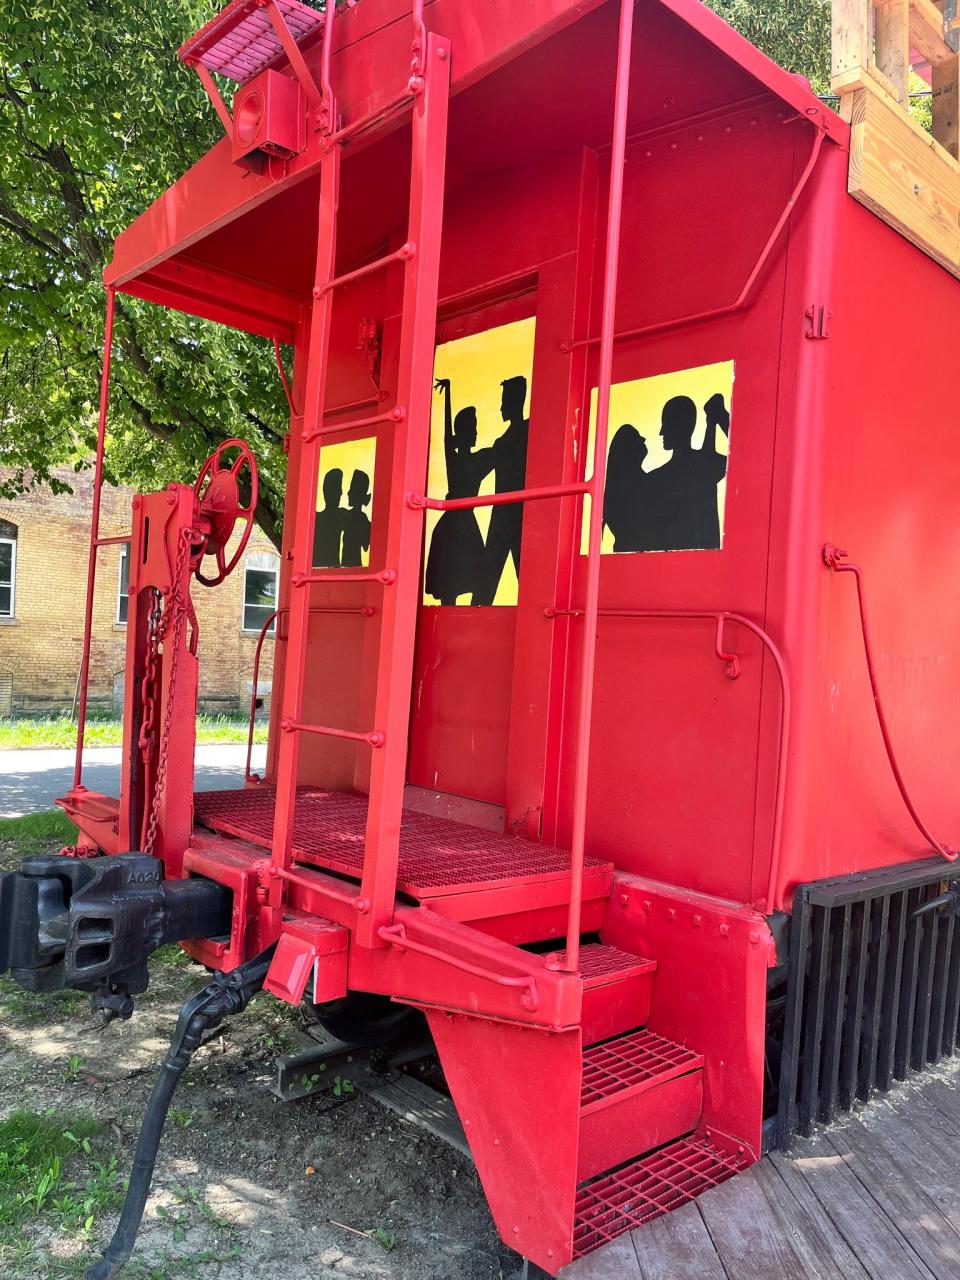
<point x="617" y="990"/>
<point x="644" y="1189"/>
<point x="638" y="1091"/>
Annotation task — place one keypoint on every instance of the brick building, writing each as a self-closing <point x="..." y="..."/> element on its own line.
<point x="44" y="543"/>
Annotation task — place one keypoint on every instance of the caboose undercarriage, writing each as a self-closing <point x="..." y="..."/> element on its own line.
<point x="564" y="780"/>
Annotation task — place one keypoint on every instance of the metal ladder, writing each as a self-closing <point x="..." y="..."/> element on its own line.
<point x="430" y="82"/>
<point x="429" y="88"/>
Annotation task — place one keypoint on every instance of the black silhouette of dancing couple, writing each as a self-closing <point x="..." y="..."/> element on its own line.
<point x="460" y="562"/>
<point x="341" y="535"/>
<point x="673" y="507"/>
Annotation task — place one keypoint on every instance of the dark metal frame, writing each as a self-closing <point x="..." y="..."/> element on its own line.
<point x="873" y="989"/>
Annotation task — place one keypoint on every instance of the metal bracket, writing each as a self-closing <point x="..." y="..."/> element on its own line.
<point x="818" y="321"/>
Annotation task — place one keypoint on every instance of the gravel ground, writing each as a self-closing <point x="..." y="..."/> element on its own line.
<point x="247" y="1187"/>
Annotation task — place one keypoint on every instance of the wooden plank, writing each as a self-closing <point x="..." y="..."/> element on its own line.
<point x="747" y="1233"/>
<point x="877" y="1159"/>
<point x="678" y="1244"/>
<point x="815" y="1221"/>
<point x="926" y="32"/>
<point x="869" y="1233"/>
<point x="893" y="45"/>
<point x="615" y="1259"/>
<point x="946" y="104"/>
<point x="852" y="38"/>
<point x="898" y="172"/>
<point x="414" y="1101"/>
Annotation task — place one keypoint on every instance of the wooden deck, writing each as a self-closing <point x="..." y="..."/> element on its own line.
<point x="874" y="1198"/>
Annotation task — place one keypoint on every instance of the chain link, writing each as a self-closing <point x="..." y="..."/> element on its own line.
<point x="172" y="619"/>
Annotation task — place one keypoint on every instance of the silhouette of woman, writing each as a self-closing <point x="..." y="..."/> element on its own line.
<point x="456" y="559"/>
<point x="625" y="507"/>
<point x="328" y="522"/>
<point x="356" y="524"/>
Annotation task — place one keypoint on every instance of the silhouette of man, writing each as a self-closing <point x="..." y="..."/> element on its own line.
<point x="685" y="488"/>
<point x="328" y="522"/>
<point x="356" y="524"/>
<point x="509" y="454"/>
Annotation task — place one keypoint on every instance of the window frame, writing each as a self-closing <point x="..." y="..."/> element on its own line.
<point x="249" y="567"/>
<point x="12" y="544"/>
<point x="121" y="594"/>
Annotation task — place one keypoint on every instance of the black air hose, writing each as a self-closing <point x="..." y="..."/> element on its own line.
<point x="228" y="994"/>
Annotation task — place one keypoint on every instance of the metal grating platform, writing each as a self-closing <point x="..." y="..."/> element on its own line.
<point x="240" y="41"/>
<point x="437" y="856"/>
<point x="645" y="1189"/>
<point x="600" y="964"/>
<point x="638" y="1058"/>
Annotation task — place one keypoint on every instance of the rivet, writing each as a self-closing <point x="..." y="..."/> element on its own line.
<point x="648" y="905"/>
<point x="624" y="899"/>
<point x="442" y="55"/>
<point x="724" y="931"/>
<point x="697" y="921"/>
<point x="671" y="913"/>
<point x="362" y="906"/>
<point x="317" y="291"/>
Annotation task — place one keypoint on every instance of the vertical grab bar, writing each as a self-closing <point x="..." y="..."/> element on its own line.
<point x="598" y="482"/>
<point x="94" y="536"/>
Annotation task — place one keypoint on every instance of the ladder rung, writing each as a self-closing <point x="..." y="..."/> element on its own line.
<point x="393" y="415"/>
<point x="403" y="254"/>
<point x="499" y="499"/>
<point x="375" y="739"/>
<point x="372" y="118"/>
<point x="386" y="576"/>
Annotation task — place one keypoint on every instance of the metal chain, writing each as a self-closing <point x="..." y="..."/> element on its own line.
<point x="175" y="613"/>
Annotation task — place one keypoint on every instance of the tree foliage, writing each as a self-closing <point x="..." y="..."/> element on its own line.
<point x="97" y="118"/>
<point x="795" y="33"/>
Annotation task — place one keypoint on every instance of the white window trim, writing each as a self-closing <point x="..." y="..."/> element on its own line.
<point x="124" y="555"/>
<point x="249" y="565"/>
<point x="12" y="544"/>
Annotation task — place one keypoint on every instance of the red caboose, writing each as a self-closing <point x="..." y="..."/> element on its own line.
<point x="575" y="742"/>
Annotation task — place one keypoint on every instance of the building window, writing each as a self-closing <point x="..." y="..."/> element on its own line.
<point x="261" y="581"/>
<point x="8" y="569"/>
<point x="123" y="585"/>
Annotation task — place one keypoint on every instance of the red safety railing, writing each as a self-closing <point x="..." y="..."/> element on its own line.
<point x="96" y="542"/>
<point x="720" y="617"/>
<point x="837" y="560"/>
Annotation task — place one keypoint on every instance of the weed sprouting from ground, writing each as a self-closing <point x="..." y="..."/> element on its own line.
<point x="50" y="1174"/>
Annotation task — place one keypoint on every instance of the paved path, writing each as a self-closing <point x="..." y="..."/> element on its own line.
<point x="30" y="781"/>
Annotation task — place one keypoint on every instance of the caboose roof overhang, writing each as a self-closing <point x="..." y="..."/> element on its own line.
<point x="238" y="246"/>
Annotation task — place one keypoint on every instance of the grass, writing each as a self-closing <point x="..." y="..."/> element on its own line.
<point x="50" y="1177"/>
<point x="18" y="732"/>
<point x="37" y="832"/>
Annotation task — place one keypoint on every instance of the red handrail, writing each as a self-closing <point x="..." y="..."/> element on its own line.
<point x="836" y="560"/>
<point x="743" y="297"/>
<point x="598" y="481"/>
<point x="274" y="617"/>
<point x="94" y="535"/>
<point x="773" y="901"/>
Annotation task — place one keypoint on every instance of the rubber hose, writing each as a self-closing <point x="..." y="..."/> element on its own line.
<point x="118" y="1251"/>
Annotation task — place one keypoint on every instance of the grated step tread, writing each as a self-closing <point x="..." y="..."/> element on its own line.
<point x="601" y="964"/>
<point x="632" y="1061"/>
<point x="647" y="1188"/>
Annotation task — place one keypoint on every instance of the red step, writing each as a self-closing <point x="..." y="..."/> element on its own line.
<point x="638" y="1092"/>
<point x="617" y="990"/>
<point x="644" y="1189"/>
